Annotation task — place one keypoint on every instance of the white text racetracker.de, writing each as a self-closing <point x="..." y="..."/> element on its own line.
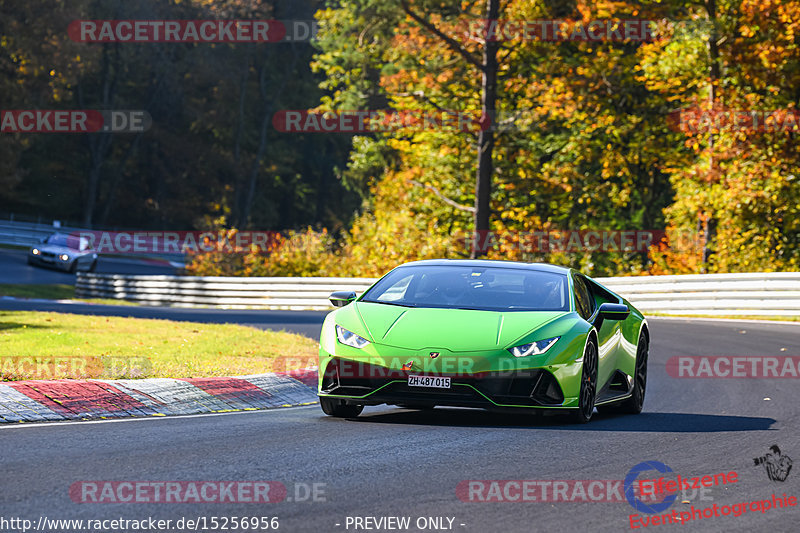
<point x="400" y="523"/>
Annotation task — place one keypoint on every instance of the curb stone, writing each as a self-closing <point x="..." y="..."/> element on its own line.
<point x="52" y="400"/>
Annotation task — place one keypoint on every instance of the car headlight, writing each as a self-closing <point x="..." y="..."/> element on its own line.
<point x="348" y="338"/>
<point x="64" y="257"/>
<point x="533" y="348"/>
<point x="35" y="251"/>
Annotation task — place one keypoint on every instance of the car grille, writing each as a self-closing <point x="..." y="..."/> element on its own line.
<point x="536" y="387"/>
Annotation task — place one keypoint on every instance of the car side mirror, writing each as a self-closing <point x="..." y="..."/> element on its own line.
<point x="342" y="298"/>
<point x="609" y="311"/>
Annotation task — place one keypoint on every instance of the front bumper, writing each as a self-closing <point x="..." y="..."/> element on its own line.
<point x="368" y="384"/>
<point x="50" y="260"/>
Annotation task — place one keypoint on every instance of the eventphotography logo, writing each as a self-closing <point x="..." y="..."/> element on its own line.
<point x="631" y="481"/>
<point x="776" y="464"/>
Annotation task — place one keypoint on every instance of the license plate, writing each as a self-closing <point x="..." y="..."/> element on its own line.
<point x="429" y="381"/>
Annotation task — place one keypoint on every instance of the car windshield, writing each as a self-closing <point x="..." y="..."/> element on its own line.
<point x="68" y="241"/>
<point x="469" y="287"/>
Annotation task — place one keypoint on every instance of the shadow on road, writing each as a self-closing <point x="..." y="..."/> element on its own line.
<point x="645" y="422"/>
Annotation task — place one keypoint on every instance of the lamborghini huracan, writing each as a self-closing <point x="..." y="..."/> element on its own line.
<point x="484" y="334"/>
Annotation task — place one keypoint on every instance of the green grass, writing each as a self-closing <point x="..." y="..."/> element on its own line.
<point x="14" y="246"/>
<point x="54" y="292"/>
<point x="115" y="347"/>
<point x="38" y="290"/>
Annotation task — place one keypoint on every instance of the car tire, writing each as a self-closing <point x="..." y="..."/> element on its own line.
<point x="338" y="408"/>
<point x="588" y="390"/>
<point x="634" y="404"/>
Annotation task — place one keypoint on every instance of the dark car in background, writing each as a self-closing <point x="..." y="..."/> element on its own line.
<point x="63" y="252"/>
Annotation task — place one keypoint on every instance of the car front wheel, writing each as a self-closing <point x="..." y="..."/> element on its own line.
<point x="338" y="408"/>
<point x="588" y="390"/>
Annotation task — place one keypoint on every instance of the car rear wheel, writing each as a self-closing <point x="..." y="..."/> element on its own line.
<point x="588" y="391"/>
<point x="338" y="408"/>
<point x="634" y="404"/>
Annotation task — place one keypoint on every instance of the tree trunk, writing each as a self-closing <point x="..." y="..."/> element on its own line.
<point x="483" y="181"/>
<point x="100" y="142"/>
<point x="269" y="99"/>
<point x="710" y="224"/>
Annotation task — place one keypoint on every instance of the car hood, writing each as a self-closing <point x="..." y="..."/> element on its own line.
<point x="453" y="329"/>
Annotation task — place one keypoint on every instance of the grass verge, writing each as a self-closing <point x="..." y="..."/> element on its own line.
<point x="38" y="290"/>
<point x="37" y="345"/>
<point x="53" y="292"/>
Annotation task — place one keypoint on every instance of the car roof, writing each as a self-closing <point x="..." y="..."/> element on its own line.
<point x="486" y="263"/>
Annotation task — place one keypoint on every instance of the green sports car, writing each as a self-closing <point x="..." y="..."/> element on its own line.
<point x="485" y="334"/>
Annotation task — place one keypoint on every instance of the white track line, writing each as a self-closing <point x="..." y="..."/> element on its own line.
<point x="20" y="425"/>
<point x="706" y="319"/>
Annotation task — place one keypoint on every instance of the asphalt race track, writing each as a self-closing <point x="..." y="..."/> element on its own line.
<point x="305" y="323"/>
<point x="395" y="462"/>
<point x="15" y="269"/>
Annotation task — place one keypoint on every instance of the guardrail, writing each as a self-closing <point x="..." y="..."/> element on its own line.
<point x="768" y="294"/>
<point x="28" y="233"/>
<point x="224" y="292"/>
